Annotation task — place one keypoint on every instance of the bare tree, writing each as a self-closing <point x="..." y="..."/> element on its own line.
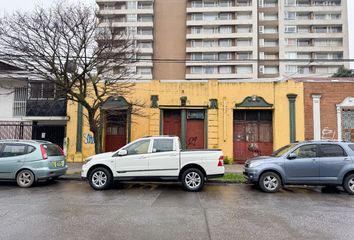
<point x="67" y="45"/>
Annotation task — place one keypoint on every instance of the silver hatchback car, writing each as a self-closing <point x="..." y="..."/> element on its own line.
<point x="28" y="161"/>
<point x="306" y="163"/>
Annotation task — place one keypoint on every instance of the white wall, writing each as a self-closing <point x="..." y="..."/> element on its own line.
<point x="6" y="104"/>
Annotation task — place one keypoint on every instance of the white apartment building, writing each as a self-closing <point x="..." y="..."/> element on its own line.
<point x="136" y="19"/>
<point x="233" y="39"/>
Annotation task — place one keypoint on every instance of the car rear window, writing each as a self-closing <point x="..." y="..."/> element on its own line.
<point x="351" y="146"/>
<point x="52" y="150"/>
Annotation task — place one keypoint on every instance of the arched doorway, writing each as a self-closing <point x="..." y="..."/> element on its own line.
<point x="116" y="113"/>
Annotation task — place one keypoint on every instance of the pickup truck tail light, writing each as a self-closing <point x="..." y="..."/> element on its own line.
<point x="221" y="161"/>
<point x="44" y="153"/>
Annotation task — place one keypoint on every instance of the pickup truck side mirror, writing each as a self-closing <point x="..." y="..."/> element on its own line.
<point x="292" y="156"/>
<point x="122" y="152"/>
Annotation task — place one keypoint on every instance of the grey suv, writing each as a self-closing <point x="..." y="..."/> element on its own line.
<point x="305" y="163"/>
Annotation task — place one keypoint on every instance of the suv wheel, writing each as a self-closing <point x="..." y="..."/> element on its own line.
<point x="100" y="178"/>
<point x="193" y="180"/>
<point x="348" y="184"/>
<point x="25" y="178"/>
<point x="270" y="182"/>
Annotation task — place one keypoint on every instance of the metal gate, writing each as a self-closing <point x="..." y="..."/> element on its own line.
<point x="253" y="134"/>
<point x="348" y="125"/>
<point x="28" y="131"/>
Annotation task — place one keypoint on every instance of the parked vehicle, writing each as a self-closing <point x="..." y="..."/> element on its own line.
<point x="305" y="163"/>
<point x="28" y="161"/>
<point x="154" y="158"/>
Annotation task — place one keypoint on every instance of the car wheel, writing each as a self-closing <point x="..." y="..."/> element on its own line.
<point x="348" y="184"/>
<point x="193" y="180"/>
<point x="100" y="178"/>
<point x="25" y="178"/>
<point x="270" y="182"/>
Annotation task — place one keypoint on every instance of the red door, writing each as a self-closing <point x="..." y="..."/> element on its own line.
<point x="253" y="134"/>
<point x="172" y="122"/>
<point x="116" y="130"/>
<point x="195" y="134"/>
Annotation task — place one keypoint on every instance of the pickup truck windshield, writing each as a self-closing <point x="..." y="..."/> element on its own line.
<point x="282" y="150"/>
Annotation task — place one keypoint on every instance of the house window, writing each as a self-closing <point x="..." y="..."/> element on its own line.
<point x="42" y="91"/>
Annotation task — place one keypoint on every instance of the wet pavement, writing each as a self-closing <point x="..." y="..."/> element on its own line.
<point x="72" y="210"/>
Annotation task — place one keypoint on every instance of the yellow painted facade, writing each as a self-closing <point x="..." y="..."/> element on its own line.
<point x="219" y="121"/>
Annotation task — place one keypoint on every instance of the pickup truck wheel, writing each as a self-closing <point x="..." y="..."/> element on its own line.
<point x="348" y="184"/>
<point x="193" y="180"/>
<point x="100" y="178"/>
<point x="270" y="182"/>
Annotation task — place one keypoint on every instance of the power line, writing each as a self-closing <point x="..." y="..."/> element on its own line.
<point x="170" y="60"/>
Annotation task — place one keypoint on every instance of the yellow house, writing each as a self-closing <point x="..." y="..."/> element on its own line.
<point x="244" y="119"/>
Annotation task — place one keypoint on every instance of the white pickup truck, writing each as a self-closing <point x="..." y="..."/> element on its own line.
<point x="154" y="159"/>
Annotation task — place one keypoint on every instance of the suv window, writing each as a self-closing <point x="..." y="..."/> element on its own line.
<point x="331" y="150"/>
<point x="13" y="150"/>
<point x="306" y="151"/>
<point x="163" y="145"/>
<point x="351" y="146"/>
<point x="140" y="147"/>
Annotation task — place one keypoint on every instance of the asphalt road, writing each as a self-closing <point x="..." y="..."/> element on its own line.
<point x="72" y="210"/>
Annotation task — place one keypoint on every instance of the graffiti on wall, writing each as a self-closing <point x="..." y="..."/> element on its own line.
<point x="88" y="138"/>
<point x="328" y="134"/>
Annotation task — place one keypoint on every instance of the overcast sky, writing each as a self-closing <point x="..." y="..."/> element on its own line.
<point x="7" y="6"/>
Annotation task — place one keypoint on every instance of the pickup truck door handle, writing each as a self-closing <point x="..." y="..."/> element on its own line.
<point x="314" y="160"/>
<point x="172" y="155"/>
<point x="346" y="159"/>
<point x="142" y="157"/>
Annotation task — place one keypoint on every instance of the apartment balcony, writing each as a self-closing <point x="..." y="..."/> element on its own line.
<point x="219" y="9"/>
<point x="217" y="22"/>
<point x="213" y="63"/>
<point x="311" y="48"/>
<point x="143" y="77"/>
<point x="132" y="24"/>
<point x="219" y="35"/>
<point x="192" y="76"/>
<point x="312" y="8"/>
<point x="125" y="11"/>
<point x="146" y="50"/>
<point x="219" y="49"/>
<point x="308" y="22"/>
<point x="313" y="35"/>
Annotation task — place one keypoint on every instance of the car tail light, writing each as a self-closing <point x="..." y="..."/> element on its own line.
<point x="221" y="161"/>
<point x="61" y="150"/>
<point x="44" y="153"/>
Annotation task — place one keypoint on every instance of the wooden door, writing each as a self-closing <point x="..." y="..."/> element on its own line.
<point x="116" y="130"/>
<point x="195" y="129"/>
<point x="253" y="134"/>
<point x="172" y="122"/>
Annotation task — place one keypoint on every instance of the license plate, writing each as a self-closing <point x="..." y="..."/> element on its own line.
<point x="58" y="164"/>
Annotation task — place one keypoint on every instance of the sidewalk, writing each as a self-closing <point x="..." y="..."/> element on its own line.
<point x="74" y="170"/>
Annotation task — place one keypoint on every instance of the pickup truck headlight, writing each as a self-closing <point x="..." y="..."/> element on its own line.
<point x="254" y="164"/>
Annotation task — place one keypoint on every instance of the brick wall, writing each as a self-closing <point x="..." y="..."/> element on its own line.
<point x="332" y="93"/>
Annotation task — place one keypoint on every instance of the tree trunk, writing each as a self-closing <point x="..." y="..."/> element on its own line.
<point x="96" y="130"/>
<point x="98" y="141"/>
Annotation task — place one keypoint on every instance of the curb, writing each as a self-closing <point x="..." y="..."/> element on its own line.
<point x="72" y="177"/>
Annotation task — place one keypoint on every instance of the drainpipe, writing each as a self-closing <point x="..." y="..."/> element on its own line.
<point x="79" y="129"/>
